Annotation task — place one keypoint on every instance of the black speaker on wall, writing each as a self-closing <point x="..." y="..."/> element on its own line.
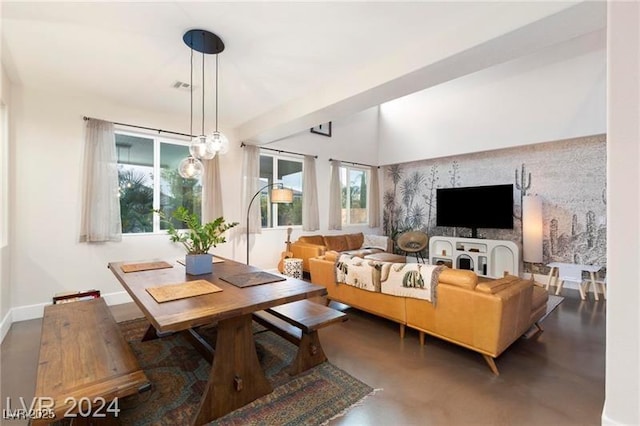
<point x="464" y="263"/>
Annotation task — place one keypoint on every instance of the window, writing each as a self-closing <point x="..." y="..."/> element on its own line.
<point x="353" y="181"/>
<point x="274" y="168"/>
<point x="149" y="179"/>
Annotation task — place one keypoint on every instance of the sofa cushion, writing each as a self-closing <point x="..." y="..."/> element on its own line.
<point x="459" y="278"/>
<point x="336" y="242"/>
<point x="354" y="241"/>
<point x="312" y="239"/>
<point x="492" y="287"/>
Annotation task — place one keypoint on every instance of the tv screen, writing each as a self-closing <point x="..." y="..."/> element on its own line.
<point x="475" y="207"/>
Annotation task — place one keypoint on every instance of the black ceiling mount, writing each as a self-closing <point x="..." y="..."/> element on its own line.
<point x="203" y="41"/>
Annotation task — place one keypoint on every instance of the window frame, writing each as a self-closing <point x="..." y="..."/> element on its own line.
<point x="348" y="169"/>
<point x="273" y="212"/>
<point x="157" y="141"/>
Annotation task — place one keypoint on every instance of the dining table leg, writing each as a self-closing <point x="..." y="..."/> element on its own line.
<point x="236" y="377"/>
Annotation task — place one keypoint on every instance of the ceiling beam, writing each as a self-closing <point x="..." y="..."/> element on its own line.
<point x="399" y="76"/>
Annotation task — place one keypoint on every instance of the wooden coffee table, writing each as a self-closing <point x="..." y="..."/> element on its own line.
<point x="236" y="377"/>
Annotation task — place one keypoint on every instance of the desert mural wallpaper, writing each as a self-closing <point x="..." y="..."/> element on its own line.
<point x="569" y="176"/>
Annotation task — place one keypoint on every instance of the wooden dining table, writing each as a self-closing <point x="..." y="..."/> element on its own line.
<point x="236" y="377"/>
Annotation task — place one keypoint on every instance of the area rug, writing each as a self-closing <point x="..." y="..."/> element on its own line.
<point x="179" y="374"/>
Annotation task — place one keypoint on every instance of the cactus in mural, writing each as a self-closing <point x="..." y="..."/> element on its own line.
<point x="454" y="174"/>
<point x="429" y="197"/>
<point x="522" y="187"/>
<point x="574" y="225"/>
<point x="553" y="236"/>
<point x="592" y="232"/>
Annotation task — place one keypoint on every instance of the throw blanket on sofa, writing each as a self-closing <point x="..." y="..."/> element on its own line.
<point x="398" y="279"/>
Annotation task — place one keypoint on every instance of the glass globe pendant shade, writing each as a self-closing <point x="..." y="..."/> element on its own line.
<point x="218" y="143"/>
<point x="199" y="148"/>
<point x="190" y="168"/>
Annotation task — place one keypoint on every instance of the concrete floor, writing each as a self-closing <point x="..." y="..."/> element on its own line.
<point x="556" y="378"/>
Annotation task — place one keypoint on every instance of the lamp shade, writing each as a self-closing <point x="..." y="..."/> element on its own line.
<point x="281" y="195"/>
<point x="532" y="229"/>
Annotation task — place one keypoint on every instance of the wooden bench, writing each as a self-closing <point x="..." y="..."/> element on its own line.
<point x="299" y="323"/>
<point x="85" y="362"/>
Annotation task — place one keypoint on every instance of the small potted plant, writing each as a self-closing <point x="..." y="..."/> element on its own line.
<point x="197" y="238"/>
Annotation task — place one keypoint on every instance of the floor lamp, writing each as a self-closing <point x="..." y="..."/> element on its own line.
<point x="279" y="195"/>
<point x="532" y="230"/>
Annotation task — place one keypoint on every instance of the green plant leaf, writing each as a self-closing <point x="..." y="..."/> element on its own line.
<point x="199" y="238"/>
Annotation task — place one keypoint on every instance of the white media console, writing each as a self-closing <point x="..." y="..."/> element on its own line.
<point x="487" y="258"/>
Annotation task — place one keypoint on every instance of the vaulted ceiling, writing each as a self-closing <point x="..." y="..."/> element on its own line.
<point x="287" y="66"/>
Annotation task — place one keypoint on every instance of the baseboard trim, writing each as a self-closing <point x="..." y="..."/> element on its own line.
<point x="5" y="325"/>
<point x="117" y="298"/>
<point x="29" y="312"/>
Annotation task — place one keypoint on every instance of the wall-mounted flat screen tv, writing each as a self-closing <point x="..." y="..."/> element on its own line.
<point x="475" y="207"/>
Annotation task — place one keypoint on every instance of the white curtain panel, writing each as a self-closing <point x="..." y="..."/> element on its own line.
<point x="310" y="210"/>
<point x="250" y="182"/>
<point x="335" y="203"/>
<point x="374" y="198"/>
<point x="100" y="220"/>
<point x="211" y="190"/>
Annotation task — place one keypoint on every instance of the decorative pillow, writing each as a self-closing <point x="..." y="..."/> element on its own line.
<point x="354" y="241"/>
<point x="335" y="242"/>
<point x="375" y="241"/>
<point x="312" y="239"/>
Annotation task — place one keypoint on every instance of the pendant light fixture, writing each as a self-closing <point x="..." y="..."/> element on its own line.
<point x="202" y="147"/>
<point x="219" y="142"/>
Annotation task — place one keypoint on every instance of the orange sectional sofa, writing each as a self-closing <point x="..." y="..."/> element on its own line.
<point x="486" y="317"/>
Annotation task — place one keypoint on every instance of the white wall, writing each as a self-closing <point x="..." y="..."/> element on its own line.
<point x="5" y="205"/>
<point x="46" y="257"/>
<point x="49" y="136"/>
<point x="557" y="93"/>
<point x="622" y="391"/>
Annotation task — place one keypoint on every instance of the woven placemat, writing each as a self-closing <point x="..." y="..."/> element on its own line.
<point x="145" y="266"/>
<point x="169" y="292"/>
<point x="252" y="278"/>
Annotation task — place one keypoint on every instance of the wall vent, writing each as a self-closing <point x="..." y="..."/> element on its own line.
<point x="180" y="85"/>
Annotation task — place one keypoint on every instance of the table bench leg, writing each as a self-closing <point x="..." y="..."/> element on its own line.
<point x="309" y="354"/>
<point x="150" y="334"/>
<point x="236" y="376"/>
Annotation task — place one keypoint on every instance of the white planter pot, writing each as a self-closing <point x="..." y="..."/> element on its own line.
<point x="198" y="264"/>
